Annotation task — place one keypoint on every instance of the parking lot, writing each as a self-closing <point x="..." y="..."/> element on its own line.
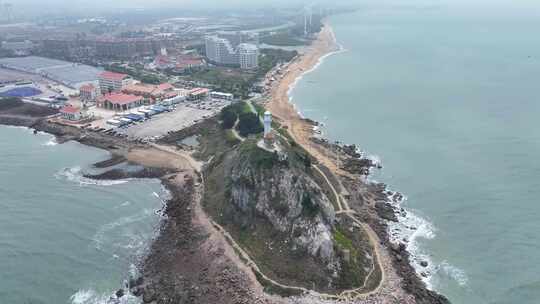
<point x="182" y="116"/>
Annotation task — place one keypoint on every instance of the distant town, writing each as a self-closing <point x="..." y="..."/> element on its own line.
<point x="112" y="75"/>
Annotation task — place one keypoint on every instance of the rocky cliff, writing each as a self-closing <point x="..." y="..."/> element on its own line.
<point x="276" y="207"/>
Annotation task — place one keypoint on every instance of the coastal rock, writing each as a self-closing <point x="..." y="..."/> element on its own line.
<point x="119" y="293"/>
<point x="424" y="264"/>
<point x="386" y="211"/>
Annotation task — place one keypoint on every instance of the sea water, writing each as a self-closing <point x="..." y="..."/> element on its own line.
<point x="64" y="238"/>
<point x="446" y="95"/>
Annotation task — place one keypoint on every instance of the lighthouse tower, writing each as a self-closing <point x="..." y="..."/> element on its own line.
<point x="267" y="124"/>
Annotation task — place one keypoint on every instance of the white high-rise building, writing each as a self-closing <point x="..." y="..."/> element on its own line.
<point x="248" y="55"/>
<point x="220" y="51"/>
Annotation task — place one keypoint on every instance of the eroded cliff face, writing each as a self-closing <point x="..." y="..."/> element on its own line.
<point x="289" y="198"/>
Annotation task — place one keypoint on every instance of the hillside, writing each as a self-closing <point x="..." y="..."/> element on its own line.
<point x="281" y="212"/>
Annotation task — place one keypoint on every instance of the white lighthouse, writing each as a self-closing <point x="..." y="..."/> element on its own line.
<point x="267" y="124"/>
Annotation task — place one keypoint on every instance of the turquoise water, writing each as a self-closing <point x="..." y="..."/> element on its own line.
<point x="447" y="97"/>
<point x="64" y="239"/>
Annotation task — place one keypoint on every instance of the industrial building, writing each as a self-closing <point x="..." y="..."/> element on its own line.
<point x="72" y="75"/>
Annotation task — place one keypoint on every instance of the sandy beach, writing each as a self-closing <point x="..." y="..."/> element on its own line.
<point x="400" y="283"/>
<point x="281" y="107"/>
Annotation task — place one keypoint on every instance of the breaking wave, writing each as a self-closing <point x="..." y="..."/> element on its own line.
<point x="90" y="296"/>
<point x="410" y="230"/>
<point x="52" y="142"/>
<point x="75" y="175"/>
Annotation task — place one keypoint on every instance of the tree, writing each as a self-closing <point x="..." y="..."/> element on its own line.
<point x="228" y="117"/>
<point x="249" y="124"/>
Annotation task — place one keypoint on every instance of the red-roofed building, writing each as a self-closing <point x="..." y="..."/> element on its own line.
<point x="165" y="87"/>
<point x="184" y="64"/>
<point x="119" y="101"/>
<point x="162" y="62"/>
<point x="88" y="92"/>
<point x="112" y="82"/>
<point x="70" y="113"/>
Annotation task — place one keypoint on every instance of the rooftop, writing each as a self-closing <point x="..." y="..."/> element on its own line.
<point x="87" y="87"/>
<point x="113" y="76"/>
<point x="69" y="110"/>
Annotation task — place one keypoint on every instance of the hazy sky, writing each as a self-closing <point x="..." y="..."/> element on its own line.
<point x="41" y="6"/>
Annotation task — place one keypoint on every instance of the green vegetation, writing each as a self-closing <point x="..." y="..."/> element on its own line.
<point x="135" y="72"/>
<point x="260" y="111"/>
<point x="228" y="117"/>
<point x="225" y="80"/>
<point x="230" y="138"/>
<point x="260" y="158"/>
<point x="249" y="124"/>
<point x="343" y="241"/>
<point x="241" y="110"/>
<point x="269" y="58"/>
<point x="236" y="81"/>
<point x="284" y="38"/>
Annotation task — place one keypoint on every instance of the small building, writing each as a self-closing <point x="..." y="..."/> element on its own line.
<point x="222" y="96"/>
<point x="185" y="64"/>
<point x="163" y="62"/>
<point x="70" y="113"/>
<point x="198" y="93"/>
<point x="119" y="101"/>
<point x="112" y="82"/>
<point x="88" y="93"/>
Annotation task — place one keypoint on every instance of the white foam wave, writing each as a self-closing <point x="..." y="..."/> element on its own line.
<point x="453" y="272"/>
<point x="52" y="142"/>
<point x="90" y="296"/>
<point x="74" y="174"/>
<point x="410" y="230"/>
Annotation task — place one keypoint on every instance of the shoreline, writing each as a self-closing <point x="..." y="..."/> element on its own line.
<point x="301" y="128"/>
<point x="187" y="229"/>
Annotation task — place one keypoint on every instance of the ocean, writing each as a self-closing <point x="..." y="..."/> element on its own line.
<point x="446" y="97"/>
<point x="64" y="238"/>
